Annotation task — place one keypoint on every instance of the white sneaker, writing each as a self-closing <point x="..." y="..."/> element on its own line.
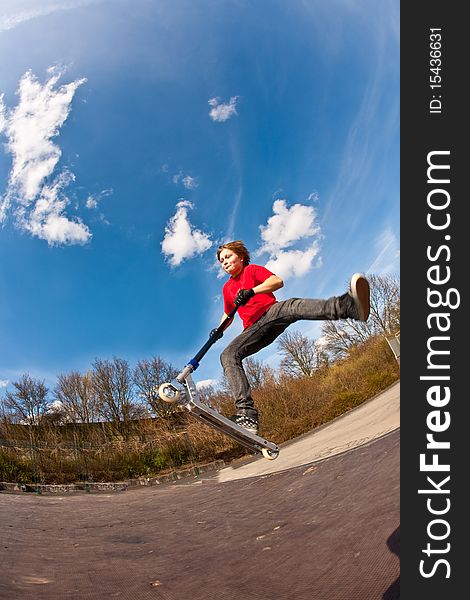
<point x="359" y="289"/>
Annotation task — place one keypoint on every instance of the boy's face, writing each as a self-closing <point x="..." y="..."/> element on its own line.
<point x="231" y="262"/>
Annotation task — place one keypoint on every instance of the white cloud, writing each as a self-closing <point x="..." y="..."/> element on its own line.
<point x="41" y="112"/>
<point x="287" y="226"/>
<point x="54" y="406"/>
<point x="206" y="383"/>
<point x="221" y="112"/>
<point x="293" y="263"/>
<point x="30" y="127"/>
<point x="46" y="220"/>
<point x="14" y="12"/>
<point x="182" y="240"/>
<point x="3" y="383"/>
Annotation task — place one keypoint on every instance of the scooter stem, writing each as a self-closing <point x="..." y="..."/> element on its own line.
<point x="194" y="362"/>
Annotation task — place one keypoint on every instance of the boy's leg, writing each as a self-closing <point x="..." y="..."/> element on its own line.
<point x="354" y="304"/>
<point x="251" y="340"/>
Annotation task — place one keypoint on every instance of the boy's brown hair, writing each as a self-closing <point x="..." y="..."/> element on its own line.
<point x="239" y="248"/>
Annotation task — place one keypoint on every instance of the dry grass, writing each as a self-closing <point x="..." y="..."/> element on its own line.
<point x="288" y="408"/>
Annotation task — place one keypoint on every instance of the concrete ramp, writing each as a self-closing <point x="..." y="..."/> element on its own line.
<point x="376" y="417"/>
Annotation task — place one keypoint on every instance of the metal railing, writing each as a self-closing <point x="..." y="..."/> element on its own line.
<point x="394" y="343"/>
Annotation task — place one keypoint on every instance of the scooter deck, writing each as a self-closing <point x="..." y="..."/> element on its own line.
<point x="214" y="419"/>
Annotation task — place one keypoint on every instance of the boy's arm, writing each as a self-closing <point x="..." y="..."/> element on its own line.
<point x="271" y="284"/>
<point x="224" y="316"/>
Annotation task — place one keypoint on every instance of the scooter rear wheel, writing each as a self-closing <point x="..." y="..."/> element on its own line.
<point x="168" y="393"/>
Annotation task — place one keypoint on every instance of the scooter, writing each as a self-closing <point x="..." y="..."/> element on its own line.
<point x="182" y="390"/>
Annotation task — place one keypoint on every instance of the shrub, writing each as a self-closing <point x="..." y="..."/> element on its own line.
<point x="288" y="407"/>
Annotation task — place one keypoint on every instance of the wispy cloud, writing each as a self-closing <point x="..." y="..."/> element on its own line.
<point x="188" y="182"/>
<point x="93" y="200"/>
<point x="388" y="253"/>
<point x="182" y="240"/>
<point x="313" y="197"/>
<point x="363" y="150"/>
<point x="2" y="113"/>
<point x="234" y="212"/>
<point x="38" y="201"/>
<point x="288" y="227"/>
<point x="221" y="112"/>
<point x="14" y="12"/>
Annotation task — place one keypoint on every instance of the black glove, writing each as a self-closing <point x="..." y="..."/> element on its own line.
<point x="213" y="333"/>
<point x="242" y="297"/>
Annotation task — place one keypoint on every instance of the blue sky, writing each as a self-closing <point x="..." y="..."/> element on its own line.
<point x="138" y="136"/>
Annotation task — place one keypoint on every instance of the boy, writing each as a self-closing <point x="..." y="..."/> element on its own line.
<point x="251" y="288"/>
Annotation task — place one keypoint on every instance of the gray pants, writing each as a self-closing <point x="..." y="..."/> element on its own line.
<point x="263" y="332"/>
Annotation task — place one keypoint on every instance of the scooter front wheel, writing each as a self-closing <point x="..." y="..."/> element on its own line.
<point x="168" y="393"/>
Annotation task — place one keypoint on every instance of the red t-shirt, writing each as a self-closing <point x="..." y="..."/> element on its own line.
<point x="251" y="276"/>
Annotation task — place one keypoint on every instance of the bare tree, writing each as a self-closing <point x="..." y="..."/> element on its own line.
<point x="5" y="419"/>
<point x="301" y="356"/>
<point x="3" y="411"/>
<point x="337" y="339"/>
<point x="385" y="304"/>
<point x="148" y="376"/>
<point x="340" y="336"/>
<point x="78" y="397"/>
<point x="28" y="402"/>
<point x="257" y="372"/>
<point x="112" y="384"/>
<point x="208" y="394"/>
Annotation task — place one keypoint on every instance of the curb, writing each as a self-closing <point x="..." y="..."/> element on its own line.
<point x="118" y="486"/>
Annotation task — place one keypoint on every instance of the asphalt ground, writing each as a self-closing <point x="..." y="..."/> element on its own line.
<point x="327" y="530"/>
